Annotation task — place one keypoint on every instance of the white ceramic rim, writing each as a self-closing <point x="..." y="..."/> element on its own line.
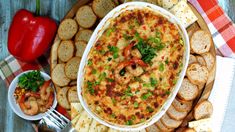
<point x="15" y="107"/>
<point x="98" y="32"/>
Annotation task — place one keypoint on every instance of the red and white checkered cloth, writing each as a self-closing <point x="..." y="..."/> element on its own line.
<point x="220" y="25"/>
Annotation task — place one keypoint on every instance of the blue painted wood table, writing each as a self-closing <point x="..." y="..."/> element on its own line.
<point x="9" y="122"/>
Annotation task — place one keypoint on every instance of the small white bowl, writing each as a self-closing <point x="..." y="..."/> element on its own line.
<point x="95" y="36"/>
<point x="15" y="106"/>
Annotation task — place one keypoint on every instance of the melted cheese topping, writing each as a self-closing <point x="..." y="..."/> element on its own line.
<point x="133" y="67"/>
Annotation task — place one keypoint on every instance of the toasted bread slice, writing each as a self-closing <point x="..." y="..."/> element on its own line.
<point x="187" y="91"/>
<point x="202" y="110"/>
<point x="209" y="59"/>
<point x="200" y="42"/>
<point x="62" y="98"/>
<point x="65" y="50"/>
<point x="201" y="60"/>
<point x="170" y="123"/>
<point x="85" y="17"/>
<point x="71" y="67"/>
<point x="162" y="127"/>
<point x="67" y="29"/>
<point x="80" y="47"/>
<point x="182" y="106"/>
<point x="197" y="74"/>
<point x="58" y="75"/>
<point x="102" y="7"/>
<point x="83" y="35"/>
<point x="72" y="94"/>
<point x="176" y="115"/>
<point x="201" y="86"/>
<point x="152" y="128"/>
<point x="192" y="59"/>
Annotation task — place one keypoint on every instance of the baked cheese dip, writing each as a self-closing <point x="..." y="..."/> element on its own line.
<point x="133" y="67"/>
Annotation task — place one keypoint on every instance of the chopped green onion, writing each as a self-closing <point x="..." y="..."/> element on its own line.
<point x="136" y="105"/>
<point x="149" y="109"/>
<point x="146" y="96"/>
<point x="90" y="87"/>
<point x="93" y="71"/>
<point x="109" y="31"/>
<point x="89" y="62"/>
<point x="122" y="72"/>
<point x="161" y="67"/>
<point x="129" y="122"/>
<point x="153" y="82"/>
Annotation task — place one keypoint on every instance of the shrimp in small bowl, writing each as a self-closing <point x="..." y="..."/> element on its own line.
<point x="31" y="94"/>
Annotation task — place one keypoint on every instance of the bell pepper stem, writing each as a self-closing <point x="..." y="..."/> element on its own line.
<point x="37" y="7"/>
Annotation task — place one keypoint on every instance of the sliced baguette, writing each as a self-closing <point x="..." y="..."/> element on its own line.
<point x="83" y="35"/>
<point x="197" y="74"/>
<point x="192" y="59"/>
<point x="62" y="98"/>
<point x="187" y="91"/>
<point x="201" y="60"/>
<point x="182" y="106"/>
<point x="67" y="29"/>
<point x="162" y="127"/>
<point x="102" y="7"/>
<point x="58" y="75"/>
<point x="170" y="123"/>
<point x="80" y="47"/>
<point x="72" y="94"/>
<point x="202" y="110"/>
<point x="71" y="67"/>
<point x="200" y="42"/>
<point x="209" y="59"/>
<point x="65" y="50"/>
<point x="176" y="115"/>
<point x="85" y="17"/>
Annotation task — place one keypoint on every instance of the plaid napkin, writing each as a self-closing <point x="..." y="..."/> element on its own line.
<point x="220" y="25"/>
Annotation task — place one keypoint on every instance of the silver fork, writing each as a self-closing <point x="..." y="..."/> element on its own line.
<point x="55" y="121"/>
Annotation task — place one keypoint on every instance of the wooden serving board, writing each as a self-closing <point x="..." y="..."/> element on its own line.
<point x="200" y="24"/>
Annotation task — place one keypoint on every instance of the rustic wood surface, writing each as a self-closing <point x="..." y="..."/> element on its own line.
<point x="9" y="122"/>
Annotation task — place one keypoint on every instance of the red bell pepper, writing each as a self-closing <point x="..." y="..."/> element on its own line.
<point x="30" y="36"/>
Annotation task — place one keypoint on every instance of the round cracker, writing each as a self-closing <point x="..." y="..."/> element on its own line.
<point x="72" y="94"/>
<point x="67" y="29"/>
<point x="85" y="17"/>
<point x="58" y="75"/>
<point x="65" y="50"/>
<point x="62" y="97"/>
<point x="80" y="47"/>
<point x="71" y="67"/>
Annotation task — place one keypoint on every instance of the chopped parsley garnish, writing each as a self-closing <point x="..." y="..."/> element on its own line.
<point x="161" y="67"/>
<point x="114" y="50"/>
<point x="133" y="117"/>
<point x="153" y="82"/>
<point x="146" y="95"/>
<point x="113" y="115"/>
<point x="155" y="40"/>
<point x="31" y="81"/>
<point x="129" y="122"/>
<point x="91" y="90"/>
<point x="89" y="62"/>
<point x="136" y="105"/>
<point x="149" y="109"/>
<point x="146" y="85"/>
<point x="127" y="37"/>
